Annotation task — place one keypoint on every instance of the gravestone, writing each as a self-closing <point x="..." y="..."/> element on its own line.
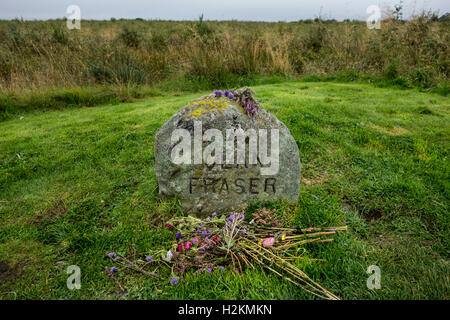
<point x="215" y="157"/>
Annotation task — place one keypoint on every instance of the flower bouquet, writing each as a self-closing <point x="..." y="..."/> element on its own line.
<point x="232" y="241"/>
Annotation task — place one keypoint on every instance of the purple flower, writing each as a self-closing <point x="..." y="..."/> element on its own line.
<point x="230" y="96"/>
<point x="344" y="221"/>
<point x="178" y="235"/>
<point x="202" y="224"/>
<point x="112" y="270"/>
<point x="209" y="270"/>
<point x="214" y="214"/>
<point x="218" y="93"/>
<point x="222" y="268"/>
<point x="149" y="259"/>
<point x="227" y="93"/>
<point x="174" y="281"/>
<point x="332" y="231"/>
<point x="111" y="255"/>
<point x="244" y="231"/>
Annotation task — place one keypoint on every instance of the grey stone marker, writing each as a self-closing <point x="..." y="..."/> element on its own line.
<point x="209" y="187"/>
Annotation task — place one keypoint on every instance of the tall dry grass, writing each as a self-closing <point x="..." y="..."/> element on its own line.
<point x="45" y="54"/>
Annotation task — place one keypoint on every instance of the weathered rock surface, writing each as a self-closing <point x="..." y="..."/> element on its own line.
<point x="204" y="189"/>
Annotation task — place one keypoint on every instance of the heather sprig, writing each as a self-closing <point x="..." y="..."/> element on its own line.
<point x="245" y="97"/>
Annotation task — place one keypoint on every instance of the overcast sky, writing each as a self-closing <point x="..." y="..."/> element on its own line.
<point x="266" y="10"/>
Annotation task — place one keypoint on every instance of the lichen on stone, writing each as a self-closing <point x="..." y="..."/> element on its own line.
<point x="206" y="104"/>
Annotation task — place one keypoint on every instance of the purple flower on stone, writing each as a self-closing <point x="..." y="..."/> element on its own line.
<point x="149" y="259"/>
<point x="178" y="235"/>
<point x="174" y="281"/>
<point x="245" y="97"/>
<point x="218" y="93"/>
<point x="111" y="255"/>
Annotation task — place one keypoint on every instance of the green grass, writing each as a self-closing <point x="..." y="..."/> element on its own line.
<point x="77" y="183"/>
<point x="14" y="104"/>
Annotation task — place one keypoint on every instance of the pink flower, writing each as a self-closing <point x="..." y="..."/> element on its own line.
<point x="195" y="240"/>
<point x="268" y="242"/>
<point x="180" y="247"/>
<point x="187" y="245"/>
<point x="169" y="226"/>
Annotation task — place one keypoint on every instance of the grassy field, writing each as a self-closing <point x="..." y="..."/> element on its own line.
<point x="78" y="183"/>
<point x="44" y="65"/>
